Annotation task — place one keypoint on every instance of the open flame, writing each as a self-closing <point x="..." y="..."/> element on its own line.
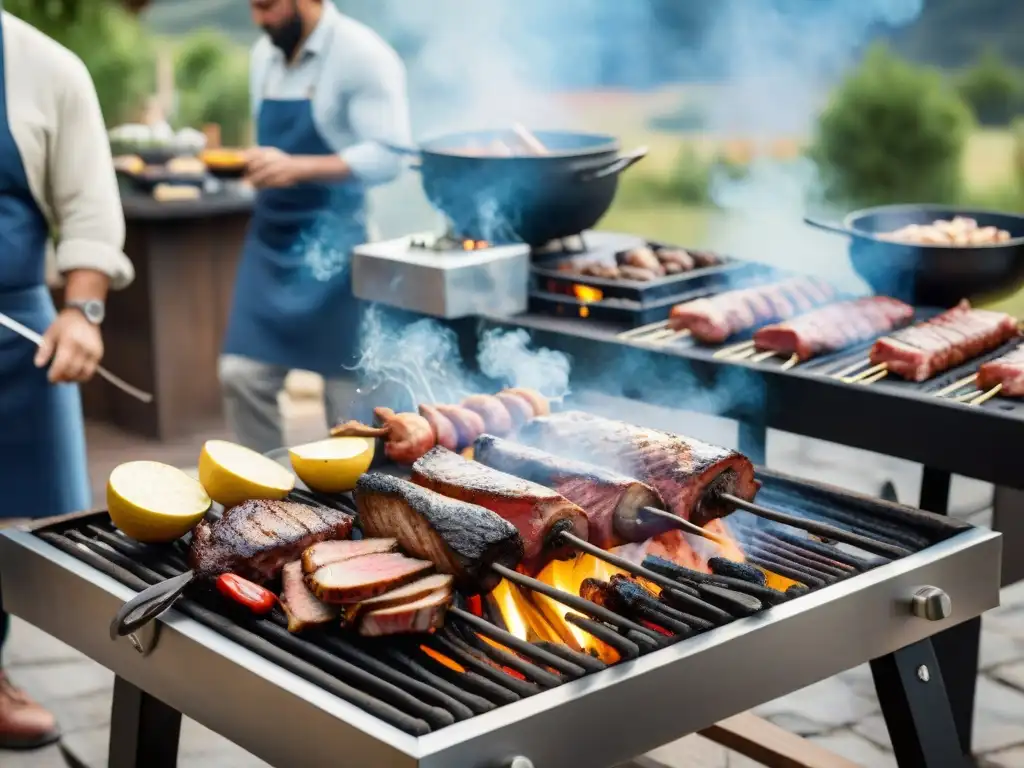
<point x="475" y="245"/>
<point x="587" y="294"/>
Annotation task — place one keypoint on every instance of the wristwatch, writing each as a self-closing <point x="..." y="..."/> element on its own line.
<point x="93" y="309"/>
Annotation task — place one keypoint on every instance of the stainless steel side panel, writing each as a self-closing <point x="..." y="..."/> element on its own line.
<point x="601" y="720"/>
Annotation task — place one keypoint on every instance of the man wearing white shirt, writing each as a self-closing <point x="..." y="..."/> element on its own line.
<point x="328" y="95"/>
<point x="56" y="175"/>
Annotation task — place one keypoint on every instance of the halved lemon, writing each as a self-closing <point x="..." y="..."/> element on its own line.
<point x="154" y="502"/>
<point x="333" y="465"/>
<point x="232" y="473"/>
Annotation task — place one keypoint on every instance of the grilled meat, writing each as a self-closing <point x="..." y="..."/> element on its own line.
<point x="444" y="431"/>
<point x="468" y="425"/>
<point x="638" y="274"/>
<point x="642" y="258"/>
<point x="327" y="552"/>
<point x="423" y="615"/>
<point x="301" y="606"/>
<point x="533" y="509"/>
<point x="497" y="419"/>
<point x="410" y="593"/>
<point x="1007" y="370"/>
<point x="688" y="474"/>
<point x="518" y="408"/>
<point x="612" y="502"/>
<point x="920" y="352"/>
<point x="360" y="578"/>
<point x="714" y="319"/>
<point x="257" y="538"/>
<point x="676" y="257"/>
<point x="834" y="327"/>
<point x="460" y="539"/>
<point x="410" y="435"/>
<point x="537" y="401"/>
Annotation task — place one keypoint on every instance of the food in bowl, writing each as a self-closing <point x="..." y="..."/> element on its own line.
<point x="958" y="231"/>
<point x="224" y="161"/>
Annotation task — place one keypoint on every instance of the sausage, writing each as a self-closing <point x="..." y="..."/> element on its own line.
<point x="468" y="424"/>
<point x="518" y="408"/>
<point x="675" y="257"/>
<point x="497" y="419"/>
<point x="409" y="438"/>
<point x="445" y="433"/>
<point x="537" y="401"/>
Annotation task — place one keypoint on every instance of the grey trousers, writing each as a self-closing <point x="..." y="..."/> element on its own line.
<point x="250" y="389"/>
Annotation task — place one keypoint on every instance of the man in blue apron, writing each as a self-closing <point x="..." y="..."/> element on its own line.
<point x="56" y="174"/>
<point x="327" y="94"/>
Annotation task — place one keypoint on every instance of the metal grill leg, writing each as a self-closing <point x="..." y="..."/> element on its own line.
<point x="143" y="730"/>
<point x="917" y="711"/>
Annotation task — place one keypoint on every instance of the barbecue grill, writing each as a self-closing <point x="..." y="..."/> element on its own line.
<point x="474" y="695"/>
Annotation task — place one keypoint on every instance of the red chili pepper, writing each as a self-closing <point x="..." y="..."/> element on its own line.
<point x="475" y="605"/>
<point x="252" y="596"/>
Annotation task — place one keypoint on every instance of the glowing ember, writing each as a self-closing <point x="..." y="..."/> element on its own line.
<point x="475" y="245"/>
<point x="587" y="294"/>
<point x="442" y="659"/>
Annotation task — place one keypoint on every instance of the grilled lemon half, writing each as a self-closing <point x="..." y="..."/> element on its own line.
<point x="153" y="502"/>
<point x="333" y="465"/>
<point x="231" y="474"/>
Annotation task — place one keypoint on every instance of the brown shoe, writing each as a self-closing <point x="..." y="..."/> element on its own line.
<point x="24" y="724"/>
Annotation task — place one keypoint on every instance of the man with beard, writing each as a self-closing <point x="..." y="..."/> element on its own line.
<point x="328" y="94"/>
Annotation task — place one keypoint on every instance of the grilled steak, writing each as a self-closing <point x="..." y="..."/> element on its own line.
<point x="460" y="539"/>
<point x="423" y="615"/>
<point x="835" y="327"/>
<point x="360" y="578"/>
<point x="924" y="350"/>
<point x="612" y="502"/>
<point x="327" y="552"/>
<point x="410" y="593"/>
<point x="533" y="509"/>
<point x="256" y="538"/>
<point x="687" y="473"/>
<point x="1007" y="370"/>
<point x="714" y="319"/>
<point x="300" y="605"/>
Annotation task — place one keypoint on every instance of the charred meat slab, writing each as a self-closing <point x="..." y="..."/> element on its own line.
<point x="688" y="474"/>
<point x="361" y="578"/>
<point x="459" y="538"/>
<point x="533" y="509"/>
<point x="327" y="552"/>
<point x="612" y="502"/>
<point x="257" y="538"/>
<point x="301" y="606"/>
<point x="423" y="615"/>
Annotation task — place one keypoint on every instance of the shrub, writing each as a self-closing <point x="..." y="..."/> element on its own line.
<point x="893" y="132"/>
<point x="212" y="76"/>
<point x="993" y="88"/>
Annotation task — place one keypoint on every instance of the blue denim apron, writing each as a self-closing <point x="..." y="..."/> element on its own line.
<point x="43" y="470"/>
<point x="293" y="304"/>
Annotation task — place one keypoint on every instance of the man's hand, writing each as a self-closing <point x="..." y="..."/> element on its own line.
<point x="74" y="345"/>
<point x="269" y="167"/>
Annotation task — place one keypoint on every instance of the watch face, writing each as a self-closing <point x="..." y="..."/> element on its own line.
<point x="94" y="311"/>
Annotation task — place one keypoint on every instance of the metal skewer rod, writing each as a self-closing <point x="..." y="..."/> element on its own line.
<point x="817" y="528"/>
<point x="685" y="525"/>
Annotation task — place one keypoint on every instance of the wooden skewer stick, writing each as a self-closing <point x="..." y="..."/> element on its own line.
<point x="851" y="369"/>
<point x="729" y="351"/>
<point x="667" y="334"/>
<point x="877" y="377"/>
<point x="790" y="363"/>
<point x="987" y="396"/>
<point x="672" y="339"/>
<point x="744" y="354"/>
<point x="643" y="330"/>
<point x="957" y="385"/>
<point x="866" y="374"/>
<point x="967" y="396"/>
<point x="762" y="356"/>
<point x="532" y="143"/>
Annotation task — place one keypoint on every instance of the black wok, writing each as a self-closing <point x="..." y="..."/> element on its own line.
<point x="522" y="198"/>
<point x="932" y="275"/>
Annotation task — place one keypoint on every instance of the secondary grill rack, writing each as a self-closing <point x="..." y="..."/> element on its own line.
<point x="388" y="694"/>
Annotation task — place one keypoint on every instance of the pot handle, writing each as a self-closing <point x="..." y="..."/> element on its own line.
<point x="612" y="167"/>
<point x="827" y="226"/>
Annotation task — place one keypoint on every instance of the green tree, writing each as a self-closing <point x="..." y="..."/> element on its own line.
<point x="993" y="88"/>
<point x="893" y="132"/>
<point x="212" y="76"/>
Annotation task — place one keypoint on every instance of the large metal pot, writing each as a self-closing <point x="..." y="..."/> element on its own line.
<point x="522" y="198"/>
<point x="932" y="275"/>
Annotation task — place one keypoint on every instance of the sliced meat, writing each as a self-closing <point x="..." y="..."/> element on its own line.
<point x="301" y="606"/>
<point x="497" y="420"/>
<point x="540" y="404"/>
<point x="687" y="473"/>
<point x="612" y="502"/>
<point x="360" y="578"/>
<point x="1007" y="370"/>
<point x="410" y="593"/>
<point x="533" y="509"/>
<point x="468" y="424"/>
<point x="424" y="615"/>
<point x="460" y="539"/>
<point x="327" y="552"/>
<point x="518" y="408"/>
<point x="257" y="538"/>
<point x="445" y="433"/>
<point x="410" y="435"/>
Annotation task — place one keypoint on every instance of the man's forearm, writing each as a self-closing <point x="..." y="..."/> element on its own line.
<point x="85" y="285"/>
<point x="324" y="168"/>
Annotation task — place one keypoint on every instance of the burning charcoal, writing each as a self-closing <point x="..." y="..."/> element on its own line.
<point x="722" y="567"/>
<point x="797" y="590"/>
<point x="675" y="572"/>
<point x="697" y="606"/>
<point x="736" y="603"/>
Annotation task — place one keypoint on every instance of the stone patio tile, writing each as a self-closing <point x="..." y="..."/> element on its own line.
<point x="70" y="680"/>
<point x="998" y="718"/>
<point x="693" y="752"/>
<point x="830" y="703"/>
<point x="873" y="729"/>
<point x="798" y="724"/>
<point x="40" y="758"/>
<point x="1011" y="674"/>
<point x="28" y="645"/>
<point x="1010" y="758"/>
<point x="997" y="649"/>
<point x="856" y="748"/>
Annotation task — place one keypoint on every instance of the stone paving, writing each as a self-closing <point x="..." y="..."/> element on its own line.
<point x="840" y="713"/>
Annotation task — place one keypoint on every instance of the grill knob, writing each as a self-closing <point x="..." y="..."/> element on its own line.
<point x="931" y="603"/>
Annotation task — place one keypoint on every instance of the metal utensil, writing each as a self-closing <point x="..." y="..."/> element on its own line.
<point x="28" y="333"/>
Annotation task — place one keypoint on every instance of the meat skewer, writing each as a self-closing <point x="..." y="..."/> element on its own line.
<point x="468" y="424"/>
<point x="255" y="540"/>
<point x="444" y="431"/>
<point x="497" y="419"/>
<point x="1005" y="372"/>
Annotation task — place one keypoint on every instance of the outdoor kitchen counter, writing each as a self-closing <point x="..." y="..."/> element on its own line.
<point x="163" y="333"/>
